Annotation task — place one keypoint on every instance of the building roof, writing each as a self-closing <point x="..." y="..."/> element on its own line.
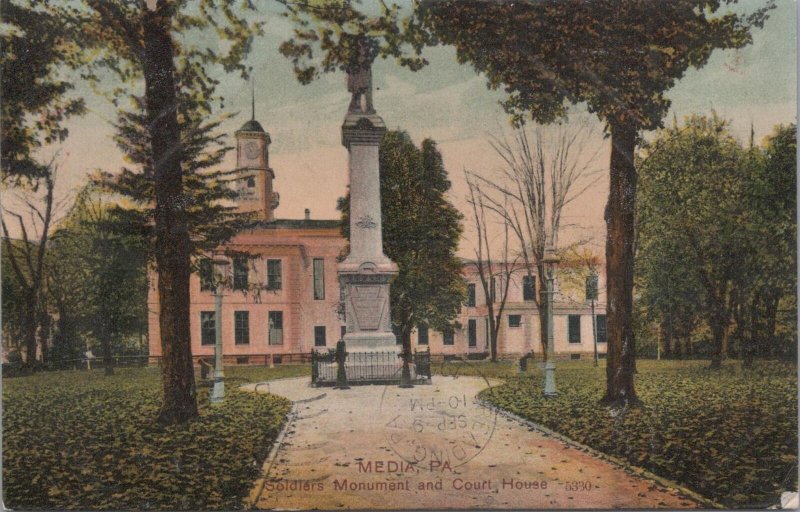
<point x="299" y="224"/>
<point x="252" y="126"/>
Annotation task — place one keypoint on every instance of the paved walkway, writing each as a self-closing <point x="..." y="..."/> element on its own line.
<point x="376" y="447"/>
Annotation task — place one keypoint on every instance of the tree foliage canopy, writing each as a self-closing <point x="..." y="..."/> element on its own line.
<point x="617" y="57"/>
<point x="98" y="273"/>
<point x="209" y="211"/>
<point x="37" y="39"/>
<point x="338" y="29"/>
<point x="710" y="248"/>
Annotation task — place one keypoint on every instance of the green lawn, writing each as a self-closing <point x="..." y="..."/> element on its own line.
<point x="80" y="440"/>
<point x="730" y="435"/>
<point x="489" y="370"/>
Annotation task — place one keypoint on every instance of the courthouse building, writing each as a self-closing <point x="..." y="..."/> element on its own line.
<point x="285" y="301"/>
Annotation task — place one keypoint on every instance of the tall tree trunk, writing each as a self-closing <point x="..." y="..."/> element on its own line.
<point x="718" y="328"/>
<point x="493" y="331"/>
<point x="541" y="307"/>
<point x="29" y="322"/>
<point x="543" y="331"/>
<point x="171" y="235"/>
<point x="45" y="330"/>
<point x="666" y="337"/>
<point x="619" y="216"/>
<point x="749" y="336"/>
<point x="490" y="318"/>
<point x="108" y="358"/>
<point x="406" y="338"/>
<point x="770" y="320"/>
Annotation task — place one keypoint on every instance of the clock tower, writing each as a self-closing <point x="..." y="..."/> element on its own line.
<point x="254" y="176"/>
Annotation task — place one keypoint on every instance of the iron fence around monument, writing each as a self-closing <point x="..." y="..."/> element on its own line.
<point x="362" y="368"/>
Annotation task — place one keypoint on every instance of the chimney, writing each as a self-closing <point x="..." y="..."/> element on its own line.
<point x="308" y="214"/>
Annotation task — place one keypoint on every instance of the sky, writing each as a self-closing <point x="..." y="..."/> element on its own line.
<point x="451" y="104"/>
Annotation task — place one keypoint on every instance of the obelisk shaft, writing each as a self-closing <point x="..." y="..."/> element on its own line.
<point x="366" y="234"/>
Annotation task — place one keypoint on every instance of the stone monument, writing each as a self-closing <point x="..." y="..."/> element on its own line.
<point x="365" y="274"/>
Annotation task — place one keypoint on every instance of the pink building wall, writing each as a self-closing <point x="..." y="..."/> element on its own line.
<point x="514" y="341"/>
<point x="296" y="248"/>
<point x="297" y="244"/>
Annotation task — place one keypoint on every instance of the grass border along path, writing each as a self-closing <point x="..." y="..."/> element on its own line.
<point x="729" y="435"/>
<point x="80" y="440"/>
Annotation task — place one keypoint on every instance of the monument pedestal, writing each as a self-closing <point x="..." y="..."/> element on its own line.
<point x="367" y="313"/>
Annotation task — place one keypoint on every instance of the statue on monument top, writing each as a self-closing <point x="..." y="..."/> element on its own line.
<point x="359" y="75"/>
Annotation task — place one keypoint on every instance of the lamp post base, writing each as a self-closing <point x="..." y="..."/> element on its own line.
<point x="405" y="376"/>
<point x="218" y="393"/>
<point x="550" y="379"/>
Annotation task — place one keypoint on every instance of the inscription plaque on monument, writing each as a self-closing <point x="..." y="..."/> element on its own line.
<point x="368" y="302"/>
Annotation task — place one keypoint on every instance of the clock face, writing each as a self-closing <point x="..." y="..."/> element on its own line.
<point x="251" y="150"/>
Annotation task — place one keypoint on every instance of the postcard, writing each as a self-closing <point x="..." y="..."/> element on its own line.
<point x="400" y="255"/>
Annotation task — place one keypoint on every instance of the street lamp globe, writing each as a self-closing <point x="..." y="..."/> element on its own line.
<point x="551" y="258"/>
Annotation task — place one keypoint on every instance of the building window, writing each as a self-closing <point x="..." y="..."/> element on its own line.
<point x="472" y="332"/>
<point x="319" y="279"/>
<point x="574" y="328"/>
<point x="398" y="334"/>
<point x="276" y="327"/>
<point x="422" y="335"/>
<point x="274" y="275"/>
<point x="514" y="320"/>
<point x="240" y="271"/>
<point x="602" y="329"/>
<point x="493" y="290"/>
<point x="342" y="331"/>
<point x="448" y="337"/>
<point x="251" y="182"/>
<point x="528" y="288"/>
<point x="208" y="331"/>
<point x="242" y="327"/>
<point x="471" y="295"/>
<point x="206" y="271"/>
<point x="319" y="336"/>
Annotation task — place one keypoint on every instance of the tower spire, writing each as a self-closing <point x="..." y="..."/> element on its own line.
<point x="253" y="99"/>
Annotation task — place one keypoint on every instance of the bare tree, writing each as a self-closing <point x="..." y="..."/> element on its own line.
<point x="26" y="257"/>
<point x="538" y="180"/>
<point x="489" y="270"/>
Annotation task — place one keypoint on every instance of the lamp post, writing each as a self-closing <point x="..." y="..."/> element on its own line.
<point x="218" y="393"/>
<point x="550" y="260"/>
<point x="405" y="373"/>
<point x="591" y="294"/>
